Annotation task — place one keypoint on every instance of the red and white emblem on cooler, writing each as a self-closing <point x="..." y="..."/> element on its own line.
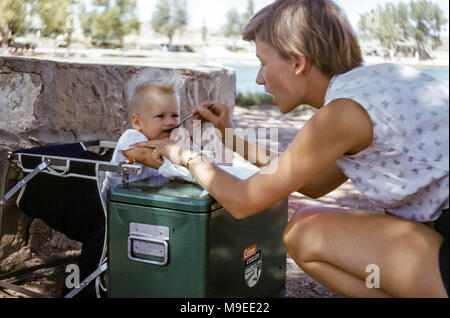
<point x="249" y="252"/>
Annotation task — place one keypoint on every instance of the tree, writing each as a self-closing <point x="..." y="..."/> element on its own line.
<point x="381" y="24"/>
<point x="111" y="19"/>
<point x="233" y="27"/>
<point x="170" y="16"/>
<point x="58" y="18"/>
<point x="419" y="21"/>
<point x="249" y="13"/>
<point x="204" y="31"/>
<point x="126" y="20"/>
<point x="14" y="18"/>
<point x="236" y="22"/>
<point x="427" y="20"/>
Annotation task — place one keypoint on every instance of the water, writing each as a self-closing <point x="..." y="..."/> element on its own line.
<point x="246" y="77"/>
<point x="439" y="73"/>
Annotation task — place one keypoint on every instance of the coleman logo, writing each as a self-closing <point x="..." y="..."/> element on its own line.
<point x="252" y="265"/>
<point x="249" y="252"/>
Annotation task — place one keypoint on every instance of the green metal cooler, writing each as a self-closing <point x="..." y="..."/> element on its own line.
<point x="164" y="240"/>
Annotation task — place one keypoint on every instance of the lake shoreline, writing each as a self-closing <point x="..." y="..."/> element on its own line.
<point x="184" y="59"/>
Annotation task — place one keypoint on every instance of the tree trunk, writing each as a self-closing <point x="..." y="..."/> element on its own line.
<point x="69" y="42"/>
<point x="423" y="54"/>
<point x="4" y="46"/>
<point x="55" y="51"/>
<point x="122" y="45"/>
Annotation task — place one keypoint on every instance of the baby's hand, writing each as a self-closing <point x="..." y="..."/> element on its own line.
<point x="143" y="156"/>
<point x="166" y="148"/>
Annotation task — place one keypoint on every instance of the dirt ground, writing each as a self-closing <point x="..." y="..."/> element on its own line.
<point x="298" y="283"/>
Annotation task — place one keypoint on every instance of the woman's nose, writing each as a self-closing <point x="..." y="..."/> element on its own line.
<point x="260" y="78"/>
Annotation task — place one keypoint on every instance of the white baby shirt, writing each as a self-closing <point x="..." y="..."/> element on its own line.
<point x="129" y="137"/>
<point x="406" y="168"/>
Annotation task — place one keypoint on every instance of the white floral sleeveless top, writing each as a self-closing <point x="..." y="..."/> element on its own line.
<point x="405" y="169"/>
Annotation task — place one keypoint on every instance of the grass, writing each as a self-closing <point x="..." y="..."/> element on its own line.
<point x="253" y="99"/>
<point x="258" y="99"/>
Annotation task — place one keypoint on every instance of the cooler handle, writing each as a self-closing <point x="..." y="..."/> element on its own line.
<point x="165" y="251"/>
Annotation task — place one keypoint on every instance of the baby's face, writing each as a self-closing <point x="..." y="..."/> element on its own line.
<point x="161" y="111"/>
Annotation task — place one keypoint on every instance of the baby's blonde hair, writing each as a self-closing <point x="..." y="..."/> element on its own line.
<point x="316" y="29"/>
<point x="142" y="91"/>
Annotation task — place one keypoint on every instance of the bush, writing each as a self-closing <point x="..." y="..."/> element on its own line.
<point x="106" y="44"/>
<point x="253" y="99"/>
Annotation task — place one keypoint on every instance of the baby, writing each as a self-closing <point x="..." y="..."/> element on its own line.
<point x="154" y="107"/>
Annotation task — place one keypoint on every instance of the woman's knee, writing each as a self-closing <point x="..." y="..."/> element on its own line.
<point x="302" y="236"/>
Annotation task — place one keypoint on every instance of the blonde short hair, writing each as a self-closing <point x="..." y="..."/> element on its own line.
<point x="142" y="91"/>
<point x="316" y="29"/>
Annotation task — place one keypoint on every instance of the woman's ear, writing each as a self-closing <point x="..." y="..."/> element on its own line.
<point x="136" y="122"/>
<point x="300" y="65"/>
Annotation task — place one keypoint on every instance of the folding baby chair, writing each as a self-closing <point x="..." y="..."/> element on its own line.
<point x="62" y="187"/>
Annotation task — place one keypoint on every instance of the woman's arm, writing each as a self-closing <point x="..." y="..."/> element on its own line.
<point x="219" y="115"/>
<point x="143" y="155"/>
<point x="326" y="182"/>
<point x="258" y="156"/>
<point x="341" y="127"/>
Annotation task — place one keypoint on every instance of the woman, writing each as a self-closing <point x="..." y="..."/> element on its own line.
<point x="385" y="127"/>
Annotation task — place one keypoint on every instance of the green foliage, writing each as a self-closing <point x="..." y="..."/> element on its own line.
<point x="57" y="17"/>
<point x="14" y="17"/>
<point x="383" y="23"/>
<point x="111" y="19"/>
<point x="427" y="21"/>
<point x="170" y="16"/>
<point x="420" y="21"/>
<point x="233" y="27"/>
<point x="252" y="99"/>
<point x="258" y="99"/>
<point x="250" y="12"/>
<point x="236" y="22"/>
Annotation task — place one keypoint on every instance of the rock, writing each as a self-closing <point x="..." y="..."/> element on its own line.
<point x="16" y="106"/>
<point x="16" y="259"/>
<point x="46" y="102"/>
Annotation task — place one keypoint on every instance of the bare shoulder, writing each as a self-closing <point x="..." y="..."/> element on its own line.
<point x="347" y="111"/>
<point x="347" y="118"/>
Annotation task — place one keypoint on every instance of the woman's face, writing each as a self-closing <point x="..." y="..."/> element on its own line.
<point x="278" y="76"/>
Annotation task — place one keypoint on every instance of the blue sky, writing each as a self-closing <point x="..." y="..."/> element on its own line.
<point x="212" y="12"/>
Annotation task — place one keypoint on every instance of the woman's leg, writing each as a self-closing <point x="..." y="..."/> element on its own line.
<point x="342" y="249"/>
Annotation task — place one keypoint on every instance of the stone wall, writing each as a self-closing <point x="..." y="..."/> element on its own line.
<point x="46" y="102"/>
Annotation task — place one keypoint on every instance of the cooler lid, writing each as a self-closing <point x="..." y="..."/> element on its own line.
<point x="160" y="192"/>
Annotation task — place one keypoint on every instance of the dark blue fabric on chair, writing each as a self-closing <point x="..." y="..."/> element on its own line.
<point x="70" y="205"/>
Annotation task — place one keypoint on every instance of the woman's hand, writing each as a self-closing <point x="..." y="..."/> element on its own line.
<point x="167" y="148"/>
<point x="218" y="114"/>
<point x="142" y="155"/>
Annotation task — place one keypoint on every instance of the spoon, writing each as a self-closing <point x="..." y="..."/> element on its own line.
<point x="168" y="130"/>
